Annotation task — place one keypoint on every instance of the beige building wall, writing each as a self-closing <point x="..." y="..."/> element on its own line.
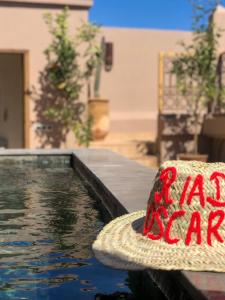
<point x="22" y="28"/>
<point x="132" y="84"/>
<point x="219" y="18"/>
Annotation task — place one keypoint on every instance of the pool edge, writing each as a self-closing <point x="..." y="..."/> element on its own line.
<point x="88" y="164"/>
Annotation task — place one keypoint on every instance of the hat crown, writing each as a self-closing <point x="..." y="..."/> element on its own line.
<point x="187" y="204"/>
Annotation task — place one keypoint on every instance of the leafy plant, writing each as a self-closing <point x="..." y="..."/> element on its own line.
<point x="196" y="67"/>
<point x="83" y="131"/>
<point x="70" y="65"/>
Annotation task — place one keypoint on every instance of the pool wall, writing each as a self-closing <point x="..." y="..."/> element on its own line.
<point x="123" y="186"/>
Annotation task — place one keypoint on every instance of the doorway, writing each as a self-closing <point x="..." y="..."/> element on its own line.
<point x="12" y="100"/>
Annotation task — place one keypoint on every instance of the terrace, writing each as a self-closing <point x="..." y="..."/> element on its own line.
<point x="81" y="144"/>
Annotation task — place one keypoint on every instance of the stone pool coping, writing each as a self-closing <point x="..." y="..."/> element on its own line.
<point x="124" y="186"/>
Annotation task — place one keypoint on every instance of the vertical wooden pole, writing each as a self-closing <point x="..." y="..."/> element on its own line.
<point x="160" y="102"/>
<point x="161" y="82"/>
<point x="26" y="94"/>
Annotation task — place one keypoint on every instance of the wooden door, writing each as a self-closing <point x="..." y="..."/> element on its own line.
<point x="11" y="100"/>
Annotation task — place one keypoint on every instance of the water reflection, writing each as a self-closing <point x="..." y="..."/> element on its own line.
<point x="47" y="225"/>
<point x="141" y="287"/>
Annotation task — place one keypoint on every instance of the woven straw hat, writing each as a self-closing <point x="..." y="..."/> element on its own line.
<point x="182" y="229"/>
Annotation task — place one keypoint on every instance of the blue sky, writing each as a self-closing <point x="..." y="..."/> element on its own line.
<point x="160" y="14"/>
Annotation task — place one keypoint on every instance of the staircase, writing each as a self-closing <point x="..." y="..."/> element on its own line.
<point x="135" y="147"/>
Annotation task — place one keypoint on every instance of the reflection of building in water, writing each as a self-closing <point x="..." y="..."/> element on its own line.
<point x="45" y="211"/>
<point x="47" y="225"/>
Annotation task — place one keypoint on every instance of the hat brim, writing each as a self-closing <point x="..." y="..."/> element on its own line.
<point x="119" y="245"/>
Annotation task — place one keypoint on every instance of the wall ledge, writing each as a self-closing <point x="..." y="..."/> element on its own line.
<point x="85" y="4"/>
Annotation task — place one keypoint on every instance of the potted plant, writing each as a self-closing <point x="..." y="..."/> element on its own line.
<point x="196" y="71"/>
<point x="98" y="107"/>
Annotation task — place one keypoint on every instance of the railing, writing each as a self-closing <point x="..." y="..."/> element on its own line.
<point x="170" y="98"/>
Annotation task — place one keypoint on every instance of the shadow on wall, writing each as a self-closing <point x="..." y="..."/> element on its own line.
<point x="50" y="131"/>
<point x="213" y="137"/>
<point x="175" y="135"/>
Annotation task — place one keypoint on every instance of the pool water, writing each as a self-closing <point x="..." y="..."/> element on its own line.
<point x="48" y="222"/>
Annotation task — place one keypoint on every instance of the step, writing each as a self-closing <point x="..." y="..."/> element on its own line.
<point x="149" y="161"/>
<point x="138" y="147"/>
<point x="132" y="148"/>
<point x="126" y="149"/>
<point x="129" y="136"/>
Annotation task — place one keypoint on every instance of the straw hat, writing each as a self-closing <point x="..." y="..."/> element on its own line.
<point x="182" y="229"/>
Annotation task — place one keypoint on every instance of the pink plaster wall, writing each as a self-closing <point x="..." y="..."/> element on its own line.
<point x="132" y="85"/>
<point x="24" y="28"/>
<point x="219" y="18"/>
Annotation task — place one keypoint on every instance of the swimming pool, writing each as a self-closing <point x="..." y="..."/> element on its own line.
<point x="48" y="221"/>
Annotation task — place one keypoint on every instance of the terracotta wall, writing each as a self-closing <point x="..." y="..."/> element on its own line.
<point x="132" y="85"/>
<point x="23" y="27"/>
